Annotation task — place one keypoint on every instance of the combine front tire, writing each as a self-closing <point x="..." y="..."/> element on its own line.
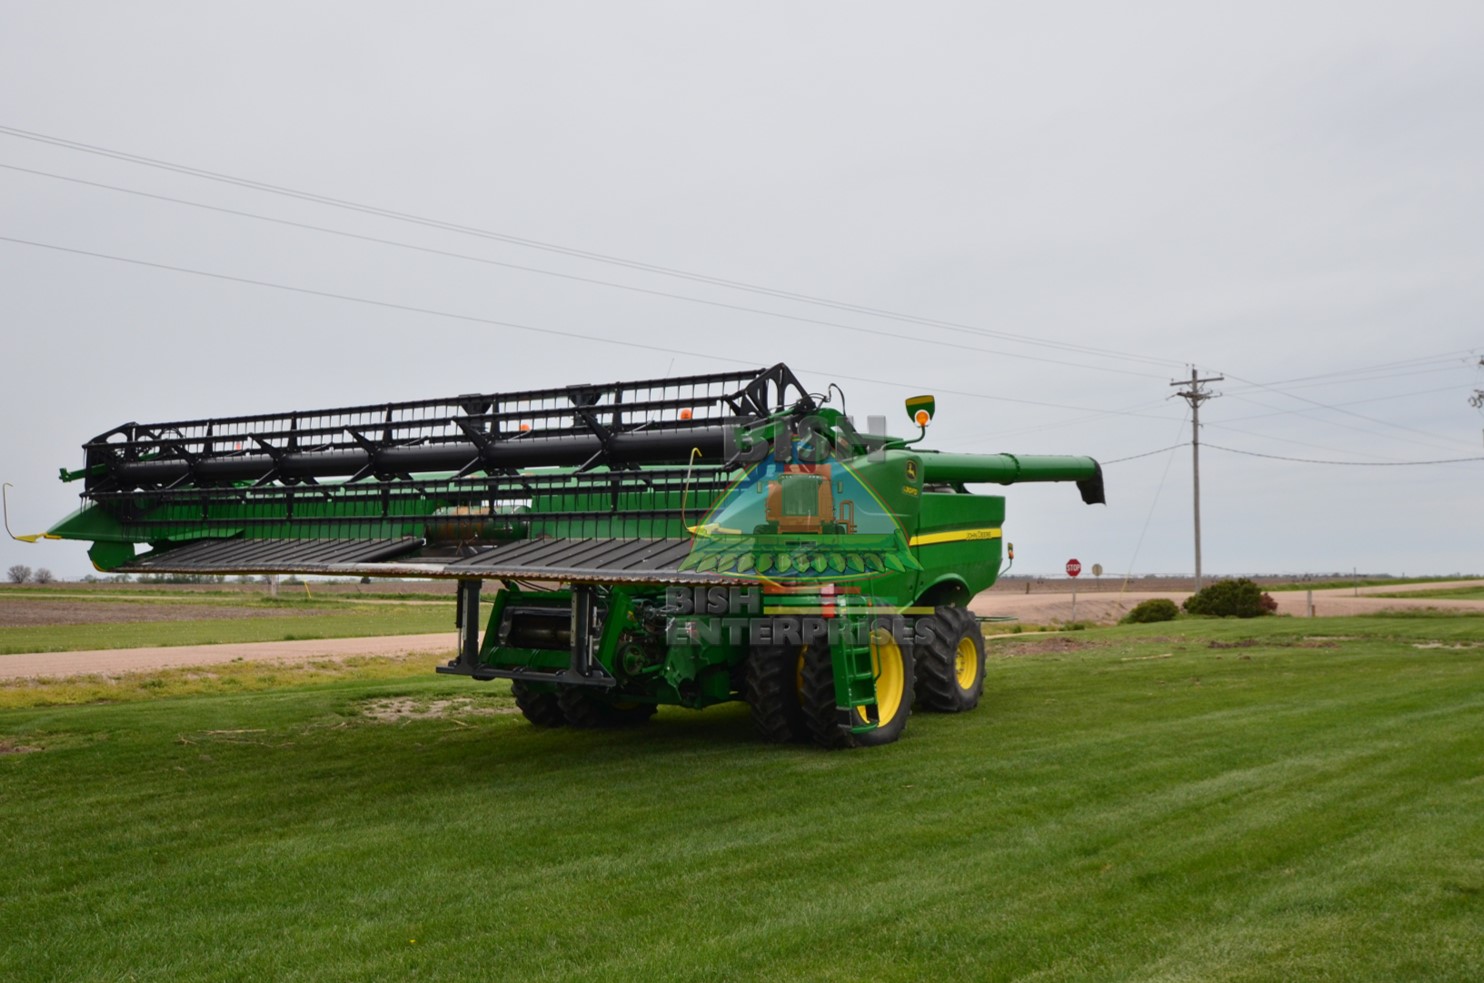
<point x="891" y="664"/>
<point x="775" y="676"/>
<point x="583" y="708"/>
<point x="950" y="667"/>
<point x="539" y="706"/>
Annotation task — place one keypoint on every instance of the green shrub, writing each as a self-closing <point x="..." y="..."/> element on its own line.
<point x="1231" y="599"/>
<point x="1150" y="611"/>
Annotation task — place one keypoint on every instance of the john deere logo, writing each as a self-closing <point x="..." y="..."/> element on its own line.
<point x="912" y="471"/>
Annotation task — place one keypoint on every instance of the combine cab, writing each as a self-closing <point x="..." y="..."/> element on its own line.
<point x="683" y="541"/>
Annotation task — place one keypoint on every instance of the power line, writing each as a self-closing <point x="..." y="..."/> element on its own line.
<point x="575" y="253"/>
<point x="1358" y="416"/>
<point x="1132" y="410"/>
<point x="1353" y="464"/>
<point x="1120" y="460"/>
<point x="474" y="319"/>
<point x="1159" y="489"/>
<point x="1349" y="380"/>
<point x="1371" y="432"/>
<point x="1368" y="431"/>
<point x="565" y="276"/>
<point x="1402" y="367"/>
<point x="1354" y="402"/>
<point x="1361" y="370"/>
<point x="1281" y="440"/>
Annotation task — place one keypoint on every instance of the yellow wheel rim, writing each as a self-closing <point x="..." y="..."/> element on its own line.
<point x="890" y="669"/>
<point x="966" y="663"/>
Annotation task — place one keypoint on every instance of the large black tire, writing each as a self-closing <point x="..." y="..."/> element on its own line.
<point x="584" y="708"/>
<point x="892" y="663"/>
<point x="950" y="666"/>
<point x="539" y="706"/>
<point x="771" y="688"/>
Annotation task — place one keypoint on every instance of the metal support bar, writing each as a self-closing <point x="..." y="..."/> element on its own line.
<point x="555" y="677"/>
<point x="466" y="619"/>
<point x="584" y="629"/>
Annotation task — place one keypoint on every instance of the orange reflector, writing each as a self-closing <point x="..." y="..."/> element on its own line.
<point x="685" y="414"/>
<point x="922" y="418"/>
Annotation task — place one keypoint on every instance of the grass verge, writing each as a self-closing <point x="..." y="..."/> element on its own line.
<point x="1454" y="593"/>
<point x="337" y="622"/>
<point x="239" y="676"/>
<point x="1360" y="582"/>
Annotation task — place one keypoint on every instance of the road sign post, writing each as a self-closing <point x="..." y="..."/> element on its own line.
<point x="1074" y="567"/>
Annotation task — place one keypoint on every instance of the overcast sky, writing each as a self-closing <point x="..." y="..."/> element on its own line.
<point x="1087" y="198"/>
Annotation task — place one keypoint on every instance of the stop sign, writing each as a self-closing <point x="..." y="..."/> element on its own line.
<point x="1074" y="567"/>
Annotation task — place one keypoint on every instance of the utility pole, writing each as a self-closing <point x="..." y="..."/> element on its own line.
<point x="1195" y="395"/>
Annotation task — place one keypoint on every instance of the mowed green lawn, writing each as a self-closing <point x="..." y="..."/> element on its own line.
<point x="1127" y="803"/>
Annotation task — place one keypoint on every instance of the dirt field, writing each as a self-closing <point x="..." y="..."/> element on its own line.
<point x="1042" y="606"/>
<point x="1039" y="607"/>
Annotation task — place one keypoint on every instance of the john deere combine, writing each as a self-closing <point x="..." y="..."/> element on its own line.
<point x="682" y="541"/>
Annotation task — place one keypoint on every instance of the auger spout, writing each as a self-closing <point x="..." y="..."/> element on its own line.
<point x="1010" y="469"/>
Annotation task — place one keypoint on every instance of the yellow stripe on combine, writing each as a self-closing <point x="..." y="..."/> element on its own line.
<point x="956" y="536"/>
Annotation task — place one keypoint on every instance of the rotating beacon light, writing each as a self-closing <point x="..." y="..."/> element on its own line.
<point x="920" y="411"/>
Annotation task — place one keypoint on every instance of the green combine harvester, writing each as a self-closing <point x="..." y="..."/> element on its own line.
<point x="683" y="541"/>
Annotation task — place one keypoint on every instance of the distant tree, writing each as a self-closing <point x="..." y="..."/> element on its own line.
<point x="19" y="574"/>
<point x="44" y="576"/>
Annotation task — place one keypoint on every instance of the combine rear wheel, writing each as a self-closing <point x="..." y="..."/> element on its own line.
<point x="584" y="708"/>
<point x="775" y="677"/>
<point x="950" y="667"/>
<point x="891" y="664"/>
<point x="539" y="706"/>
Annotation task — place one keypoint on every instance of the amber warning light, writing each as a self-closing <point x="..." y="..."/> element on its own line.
<point x="920" y="409"/>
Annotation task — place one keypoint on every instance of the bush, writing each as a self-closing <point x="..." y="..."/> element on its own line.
<point x="44" y="576"/>
<point x="1150" y="611"/>
<point x="1231" y="599"/>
